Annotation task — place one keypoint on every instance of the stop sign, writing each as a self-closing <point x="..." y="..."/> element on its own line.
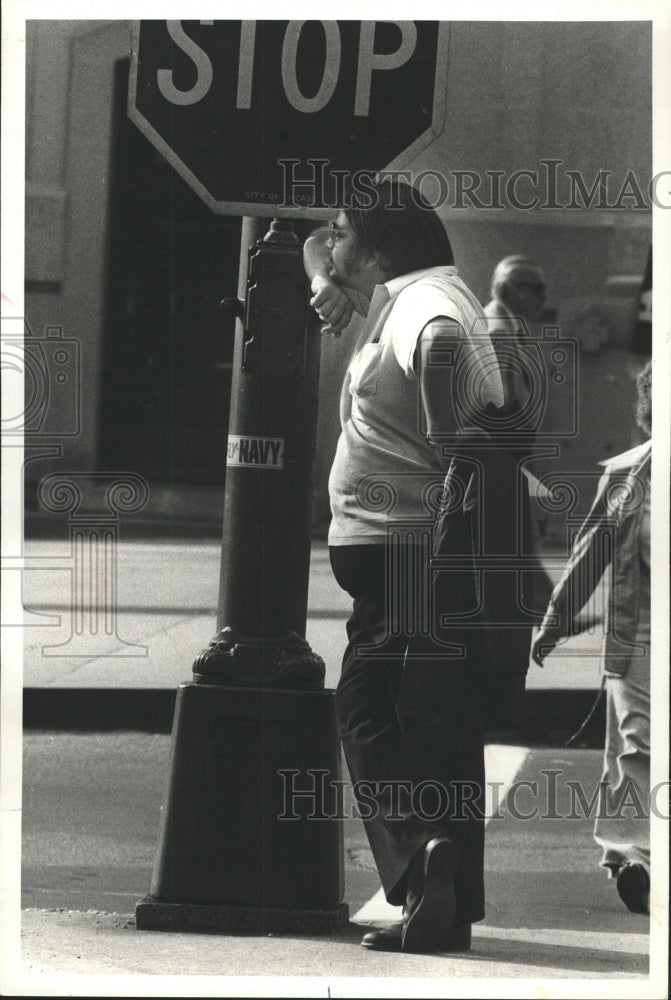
<point x="270" y="117"/>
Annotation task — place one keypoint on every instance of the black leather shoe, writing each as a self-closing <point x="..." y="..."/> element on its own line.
<point x="391" y="938"/>
<point x="633" y="886"/>
<point x="430" y="898"/>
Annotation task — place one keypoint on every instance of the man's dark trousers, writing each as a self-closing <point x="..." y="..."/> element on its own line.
<point x="416" y="757"/>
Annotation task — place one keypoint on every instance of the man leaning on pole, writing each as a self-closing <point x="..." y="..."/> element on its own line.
<point x="402" y="417"/>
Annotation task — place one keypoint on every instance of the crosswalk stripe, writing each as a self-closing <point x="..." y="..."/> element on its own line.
<point x="502" y="764"/>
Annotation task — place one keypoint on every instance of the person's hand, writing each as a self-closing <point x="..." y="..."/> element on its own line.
<point x="544" y="643"/>
<point x="331" y="304"/>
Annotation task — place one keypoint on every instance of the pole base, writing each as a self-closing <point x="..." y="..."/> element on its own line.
<point x="253" y="815"/>
<point x="152" y="914"/>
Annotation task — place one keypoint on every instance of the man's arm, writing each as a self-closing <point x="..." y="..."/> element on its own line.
<point x="435" y="349"/>
<point x="331" y="303"/>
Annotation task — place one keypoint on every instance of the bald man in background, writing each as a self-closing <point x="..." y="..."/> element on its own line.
<point x="518" y="293"/>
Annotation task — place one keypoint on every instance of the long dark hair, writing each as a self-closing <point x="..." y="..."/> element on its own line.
<point x="401" y="226"/>
<point x="644" y="398"/>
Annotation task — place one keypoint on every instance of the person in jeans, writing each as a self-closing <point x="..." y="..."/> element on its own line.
<point x="616" y="534"/>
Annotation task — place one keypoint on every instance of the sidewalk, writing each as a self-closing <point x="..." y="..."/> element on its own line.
<point x="554" y="924"/>
<point x="127" y="673"/>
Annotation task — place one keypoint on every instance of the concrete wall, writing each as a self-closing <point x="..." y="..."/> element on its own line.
<point x="521" y="93"/>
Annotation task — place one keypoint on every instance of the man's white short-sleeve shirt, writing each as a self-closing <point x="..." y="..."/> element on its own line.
<point x="385" y="468"/>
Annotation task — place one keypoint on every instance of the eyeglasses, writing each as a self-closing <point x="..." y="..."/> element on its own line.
<point x="336" y="233"/>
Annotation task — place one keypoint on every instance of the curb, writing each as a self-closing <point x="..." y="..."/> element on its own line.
<point x="550" y="716"/>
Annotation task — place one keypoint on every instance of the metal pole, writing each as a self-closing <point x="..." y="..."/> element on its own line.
<point x="268" y="498"/>
<point x="251" y="837"/>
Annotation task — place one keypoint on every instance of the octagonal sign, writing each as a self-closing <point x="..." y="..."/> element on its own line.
<point x="272" y="117"/>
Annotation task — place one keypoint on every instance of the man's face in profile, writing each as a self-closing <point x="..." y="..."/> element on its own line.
<point x="347" y="256"/>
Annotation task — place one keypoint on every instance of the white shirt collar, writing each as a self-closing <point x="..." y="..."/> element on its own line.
<point x="384" y="294"/>
<point x="638" y="454"/>
<point x="396" y="285"/>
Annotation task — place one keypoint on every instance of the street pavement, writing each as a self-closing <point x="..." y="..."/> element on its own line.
<point x="90" y="823"/>
<point x="92" y="795"/>
<point x="554" y="925"/>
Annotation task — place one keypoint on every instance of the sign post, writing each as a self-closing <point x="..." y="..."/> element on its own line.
<point x="268" y="118"/>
